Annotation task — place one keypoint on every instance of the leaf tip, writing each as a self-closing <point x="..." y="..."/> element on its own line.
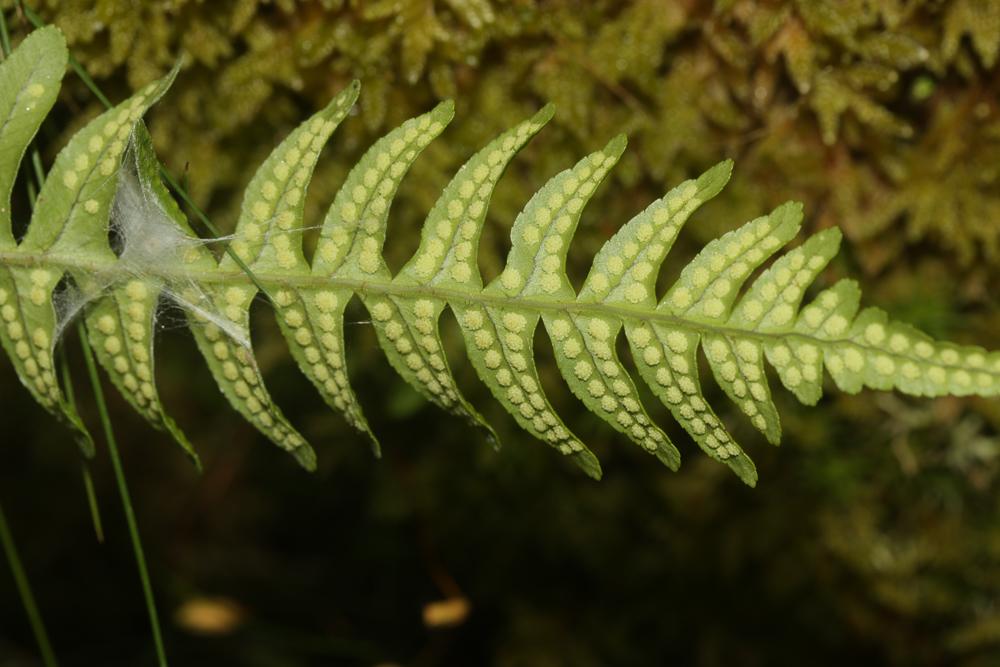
<point x="725" y="167"/>
<point x="346" y="97"/>
<point x="833" y="233"/>
<point x="789" y="213"/>
<point x="445" y="110"/>
<point x="48" y="33"/>
<point x="669" y="457"/>
<point x="712" y="181"/>
<point x="375" y="445"/>
<point x="589" y="464"/>
<point x="544" y="115"/>
<point x="306" y="457"/>
<point x="617" y="145"/>
<point x="744" y="469"/>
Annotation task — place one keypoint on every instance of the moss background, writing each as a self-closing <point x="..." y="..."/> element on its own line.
<point x="874" y="535"/>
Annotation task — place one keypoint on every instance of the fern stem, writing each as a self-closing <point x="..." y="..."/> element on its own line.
<point x="24" y="590"/>
<point x="32" y="192"/>
<point x="133" y="527"/>
<point x="36" y="164"/>
<point x="88" y="480"/>
<point x="112" y="273"/>
<point x="95" y="509"/>
<point x="4" y="36"/>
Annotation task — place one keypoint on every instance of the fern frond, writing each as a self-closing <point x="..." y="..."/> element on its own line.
<point x="708" y="307"/>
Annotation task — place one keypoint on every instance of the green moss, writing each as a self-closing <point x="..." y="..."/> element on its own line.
<point x="820" y="99"/>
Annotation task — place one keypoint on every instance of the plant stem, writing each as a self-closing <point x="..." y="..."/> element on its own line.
<point x="6" y="539"/>
<point x="95" y="510"/>
<point x="102" y="408"/>
<point x="24" y="590"/>
<point x="4" y="37"/>
<point x="133" y="527"/>
<point x="88" y="481"/>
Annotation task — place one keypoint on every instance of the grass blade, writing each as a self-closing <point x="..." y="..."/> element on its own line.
<point x="24" y="591"/>
<point x="133" y="527"/>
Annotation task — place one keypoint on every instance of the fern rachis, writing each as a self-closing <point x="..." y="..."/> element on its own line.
<point x="109" y="172"/>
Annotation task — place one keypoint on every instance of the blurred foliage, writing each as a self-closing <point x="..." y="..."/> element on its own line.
<point x="873" y="537"/>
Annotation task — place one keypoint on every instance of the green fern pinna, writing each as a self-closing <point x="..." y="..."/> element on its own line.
<point x="107" y="179"/>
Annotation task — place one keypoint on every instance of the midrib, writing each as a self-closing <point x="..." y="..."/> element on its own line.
<point x="114" y="271"/>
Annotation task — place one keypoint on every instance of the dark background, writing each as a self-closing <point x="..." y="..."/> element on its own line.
<point x="873" y="535"/>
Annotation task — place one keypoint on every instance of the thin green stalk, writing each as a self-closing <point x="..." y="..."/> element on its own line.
<point x="32" y="192"/>
<point x="38" y="22"/>
<point x="33" y="189"/>
<point x="4" y="37"/>
<point x="95" y="510"/>
<point x="6" y="539"/>
<point x="133" y="527"/>
<point x="88" y="481"/>
<point x="24" y="590"/>
<point x="36" y="164"/>
<point x="102" y="408"/>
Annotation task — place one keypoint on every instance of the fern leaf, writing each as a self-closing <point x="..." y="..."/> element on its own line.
<point x="120" y="315"/>
<point x="709" y="306"/>
<point x="268" y="238"/>
<point x="29" y="84"/>
<point x="70" y="215"/>
<point x="585" y="346"/>
<point x="352" y="237"/>
<point x="447" y="257"/>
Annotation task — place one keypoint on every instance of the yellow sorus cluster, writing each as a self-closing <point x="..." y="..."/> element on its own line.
<point x="546" y="233"/>
<point x="669" y="356"/>
<point x="33" y="349"/>
<point x="414" y="336"/>
<point x="796" y="362"/>
<point x="603" y="381"/>
<point x="234" y="304"/>
<point x="362" y="210"/>
<point x="629" y="272"/>
<point x="125" y="336"/>
<point x="442" y="253"/>
<point x="773" y="300"/>
<point x="275" y="211"/>
<point x="822" y="318"/>
<point x="42" y="281"/>
<point x="236" y="371"/>
<point x="512" y="377"/>
<point x="739" y="367"/>
<point x="314" y="324"/>
<point x="105" y="146"/>
<point x="710" y="284"/>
